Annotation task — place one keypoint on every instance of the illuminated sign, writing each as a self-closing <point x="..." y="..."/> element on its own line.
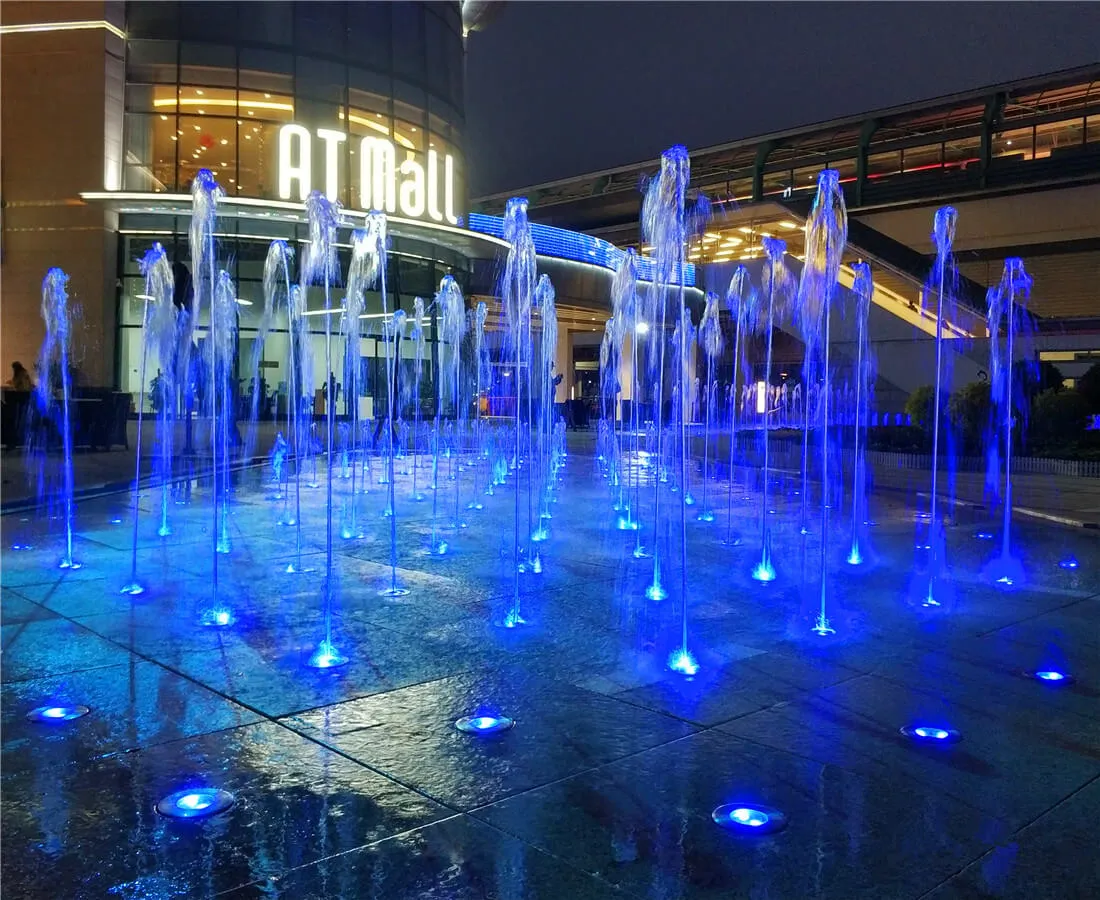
<point x="409" y="189"/>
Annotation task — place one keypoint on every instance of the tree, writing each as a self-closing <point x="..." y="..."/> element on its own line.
<point x="1088" y="386"/>
<point x="919" y="406"/>
<point x="1059" y="418"/>
<point x="971" y="409"/>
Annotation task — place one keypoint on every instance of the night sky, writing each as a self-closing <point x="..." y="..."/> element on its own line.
<point x="556" y="89"/>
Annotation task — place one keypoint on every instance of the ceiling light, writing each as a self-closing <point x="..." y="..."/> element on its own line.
<point x="174" y="138"/>
<point x="744" y="229"/>
<point x="224" y="141"/>
<point x="198" y="91"/>
<point x="790" y="226"/>
<point x="267" y="96"/>
<point x="164" y="118"/>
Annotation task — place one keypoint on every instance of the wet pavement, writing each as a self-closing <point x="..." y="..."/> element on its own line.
<point x="353" y="782"/>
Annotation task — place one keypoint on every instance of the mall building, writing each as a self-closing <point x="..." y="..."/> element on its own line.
<point x="110" y="109"/>
<point x="1020" y="162"/>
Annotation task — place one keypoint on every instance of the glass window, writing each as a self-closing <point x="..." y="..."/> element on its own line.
<point x="409" y="136"/>
<point x="962" y="153"/>
<point x="1057" y="137"/>
<point x="408" y="38"/>
<point x="805" y="177"/>
<point x="882" y="165"/>
<point x="266" y="105"/>
<point x="777" y="183"/>
<point x="140" y="97"/>
<point x="206" y="101"/>
<point x="1092" y="133"/>
<point x="1019" y="143"/>
<point x="200" y="21"/>
<point x="270" y="23"/>
<point x="152" y="19"/>
<point x="320" y="78"/>
<point x="257" y="159"/>
<point x="207" y="143"/>
<point x="151" y="61"/>
<point x="369" y="30"/>
<point x="150" y="158"/>
<point x="267" y="70"/>
<point x="846" y="168"/>
<point x="436" y="38"/>
<point x="320" y="27"/>
<point x="208" y="64"/>
<point x="923" y="158"/>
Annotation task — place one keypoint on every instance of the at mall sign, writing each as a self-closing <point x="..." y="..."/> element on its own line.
<point x="410" y="189"/>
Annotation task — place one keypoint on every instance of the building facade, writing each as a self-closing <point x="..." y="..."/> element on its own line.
<point x="1020" y="162"/>
<point x="110" y="110"/>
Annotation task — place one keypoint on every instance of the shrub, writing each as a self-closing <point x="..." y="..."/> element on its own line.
<point x="970" y="410"/>
<point x="1088" y="386"/>
<point x="1058" y="419"/>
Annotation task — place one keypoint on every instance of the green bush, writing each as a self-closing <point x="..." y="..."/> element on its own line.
<point x="1058" y="420"/>
<point x="919" y="406"/>
<point x="1088" y="386"/>
<point x="970" y="409"/>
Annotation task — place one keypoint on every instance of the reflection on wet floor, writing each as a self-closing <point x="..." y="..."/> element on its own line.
<point x="355" y="781"/>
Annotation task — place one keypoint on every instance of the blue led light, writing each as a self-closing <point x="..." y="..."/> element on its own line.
<point x="195" y="803"/>
<point x="763" y="572"/>
<point x="683" y="662"/>
<point x="748" y="819"/>
<point x="326" y="656"/>
<point x="983" y="536"/>
<point x="1051" y="676"/>
<point x="484" y="725"/>
<point x="57" y="713"/>
<point x="930" y="734"/>
<point x="562" y="244"/>
<point x="1068" y="563"/>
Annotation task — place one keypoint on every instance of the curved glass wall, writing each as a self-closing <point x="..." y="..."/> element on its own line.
<point x="209" y="86"/>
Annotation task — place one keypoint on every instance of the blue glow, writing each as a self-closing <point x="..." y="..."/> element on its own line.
<point x="705" y="517"/>
<point x="1068" y="563"/>
<point x="514" y="619"/>
<point x="749" y="819"/>
<point x="484" y="724"/>
<point x="166" y="530"/>
<point x="689" y="500"/>
<point x="984" y="536"/>
<point x="683" y="662"/>
<point x="640" y="553"/>
<point x="822" y="628"/>
<point x="195" y="803"/>
<point x="539" y="534"/>
<point x="655" y="592"/>
<point x="562" y="244"/>
<point x="930" y="734"/>
<point x="69" y="564"/>
<point x="57" y="713"/>
<point x="625" y="523"/>
<point x="133" y="589"/>
<point x="763" y="572"/>
<point x="1050" y="675"/>
<point x="116" y="520"/>
<point x="855" y="558"/>
<point x="326" y="656"/>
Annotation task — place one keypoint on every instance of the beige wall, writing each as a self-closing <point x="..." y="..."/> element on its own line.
<point x="54" y="108"/>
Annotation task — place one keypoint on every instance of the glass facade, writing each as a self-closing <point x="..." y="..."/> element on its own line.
<point x="209" y="86"/>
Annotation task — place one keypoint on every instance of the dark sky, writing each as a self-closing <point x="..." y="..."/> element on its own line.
<point x="555" y="89"/>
